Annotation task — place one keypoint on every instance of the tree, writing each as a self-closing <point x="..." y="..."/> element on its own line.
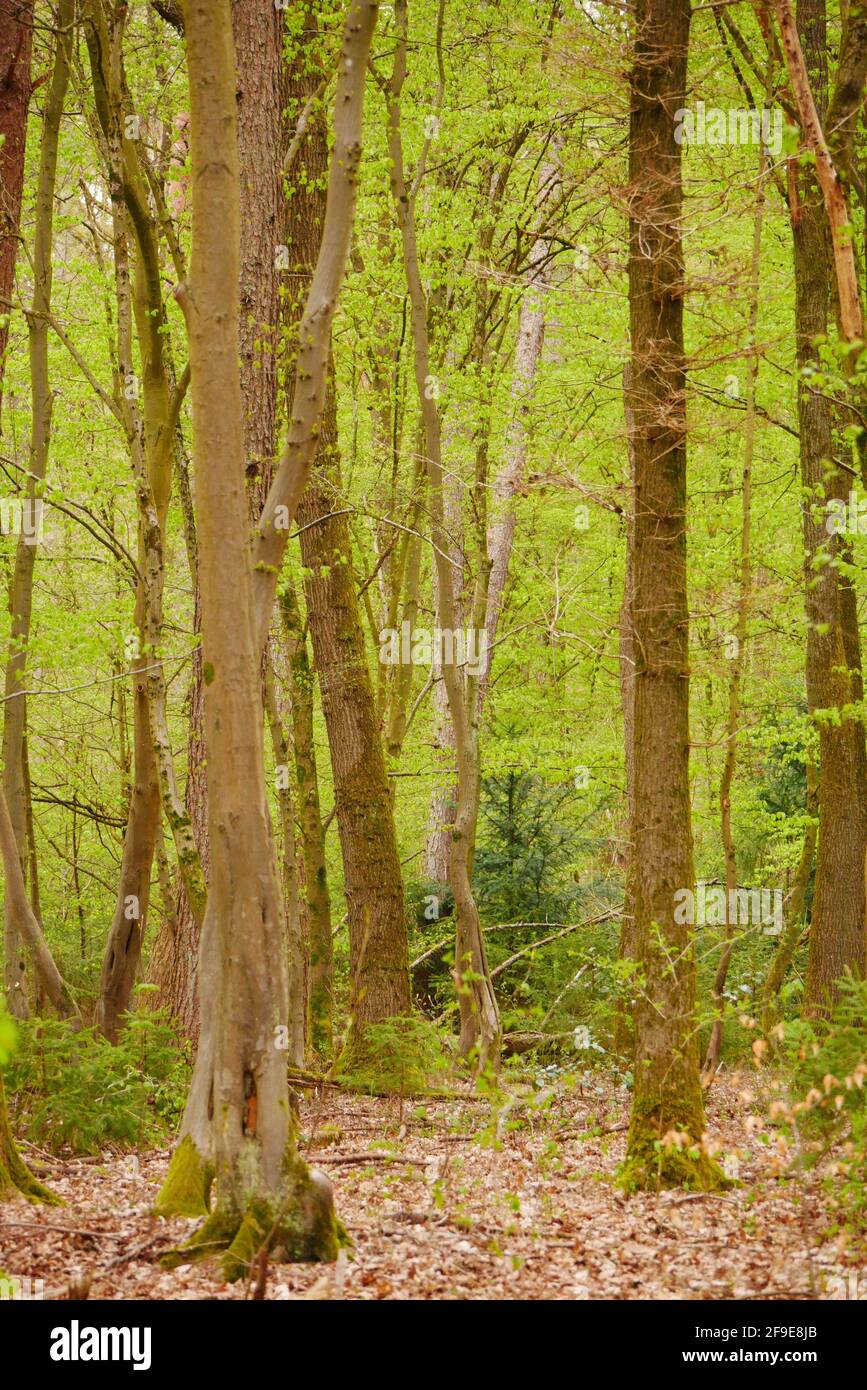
<point x="667" y="1110"/>
<point x="238" y="1128"/>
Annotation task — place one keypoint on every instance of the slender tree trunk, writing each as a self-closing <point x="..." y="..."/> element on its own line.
<point x="624" y="1037"/>
<point x="150" y="433"/>
<point x="16" y="47"/>
<point x="378" y="950"/>
<point x="788" y="942"/>
<point x="320" y="991"/>
<point x="481" y="1032"/>
<point x="837" y="925"/>
<point x="16" y="1180"/>
<point x="25" y="921"/>
<point x="714" y="1047"/>
<point x="667" y="1113"/>
<point x="238" y="1126"/>
<point x="15" y="782"/>
<point x="296" y="945"/>
<point x="173" y="965"/>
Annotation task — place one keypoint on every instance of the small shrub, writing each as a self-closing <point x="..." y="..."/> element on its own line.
<point x="399" y="1057"/>
<point x="77" y="1091"/>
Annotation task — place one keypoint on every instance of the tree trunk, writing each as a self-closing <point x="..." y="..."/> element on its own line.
<point x="481" y="1033"/>
<point x="667" y="1113"/>
<point x="624" y="1035"/>
<point x="16" y="1180"/>
<point x="837" y="926"/>
<point x="714" y="1047"/>
<point x="150" y="435"/>
<point x="16" y="46"/>
<point x="237" y="1127"/>
<point x="378" y="949"/>
<point x="317" y="900"/>
<point x="15" y="780"/>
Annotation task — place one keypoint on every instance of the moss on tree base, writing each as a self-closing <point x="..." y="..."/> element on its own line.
<point x="16" y="1179"/>
<point x="665" y="1150"/>
<point x="299" y="1228"/>
<point x="187" y="1188"/>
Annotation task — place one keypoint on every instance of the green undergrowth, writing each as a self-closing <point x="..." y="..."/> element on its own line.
<point x="77" y="1092"/>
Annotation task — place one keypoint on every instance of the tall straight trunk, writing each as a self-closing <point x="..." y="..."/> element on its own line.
<point x="16" y="48"/>
<point x="378" y="949"/>
<point x="317" y="899"/>
<point x="258" y="34"/>
<point x="624" y="1035"/>
<point x="837" y="925"/>
<point x="481" y="1032"/>
<point x="150" y="427"/>
<point x="667" y="1113"/>
<point x="510" y="475"/>
<point x="15" y="780"/>
<point x="238" y="1127"/>
<point x="174" y="956"/>
<point x="788" y="943"/>
<point x="737" y="669"/>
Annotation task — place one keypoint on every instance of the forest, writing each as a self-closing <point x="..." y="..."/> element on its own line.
<point x="433" y="495"/>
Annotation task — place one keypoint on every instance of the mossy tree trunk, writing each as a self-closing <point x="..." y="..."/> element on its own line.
<point x="667" y="1122"/>
<point x="15" y="1177"/>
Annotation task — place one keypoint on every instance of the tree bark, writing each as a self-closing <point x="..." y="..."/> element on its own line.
<point x="481" y="1033"/>
<point x="667" y="1111"/>
<point x="378" y="949"/>
<point x="15" y="780"/>
<point x="317" y="900"/>
<point x="837" y="925"/>
<point x="237" y="1127"/>
<point x="16" y="47"/>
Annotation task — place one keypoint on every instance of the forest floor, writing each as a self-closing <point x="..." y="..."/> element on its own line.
<point x="457" y="1199"/>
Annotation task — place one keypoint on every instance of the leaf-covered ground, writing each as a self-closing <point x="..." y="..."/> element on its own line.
<point x="454" y="1199"/>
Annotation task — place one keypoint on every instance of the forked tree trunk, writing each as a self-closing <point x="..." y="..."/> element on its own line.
<point x="667" y="1113"/>
<point x="237" y="1126"/>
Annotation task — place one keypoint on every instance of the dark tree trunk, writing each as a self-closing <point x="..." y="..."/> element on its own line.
<point x="667" y="1098"/>
<point x="16" y="45"/>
